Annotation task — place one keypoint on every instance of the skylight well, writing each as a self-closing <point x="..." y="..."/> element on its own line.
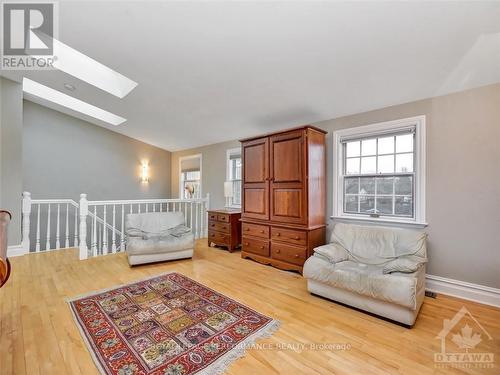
<point x="31" y="87"/>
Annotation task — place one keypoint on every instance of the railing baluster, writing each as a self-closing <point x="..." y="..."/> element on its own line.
<point x="94" y="233"/>
<point x="47" y="242"/>
<point x="113" y="240"/>
<point x="168" y="204"/>
<point x="202" y="217"/>
<point x="66" y="232"/>
<point x="196" y="234"/>
<point x="154" y="207"/>
<point x="131" y="208"/>
<point x="147" y="209"/>
<point x="191" y="216"/>
<point x="37" y="245"/>
<point x="184" y="206"/>
<point x="58" y="243"/>
<point x="139" y="207"/>
<point x="75" y="235"/>
<point x="161" y="207"/>
<point x="122" y="239"/>
<point x="104" y="233"/>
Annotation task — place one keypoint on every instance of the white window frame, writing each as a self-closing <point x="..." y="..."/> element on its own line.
<point x="229" y="153"/>
<point x="374" y="130"/>
<point x="181" y="159"/>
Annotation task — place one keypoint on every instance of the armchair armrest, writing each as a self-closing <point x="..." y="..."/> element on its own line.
<point x="333" y="252"/>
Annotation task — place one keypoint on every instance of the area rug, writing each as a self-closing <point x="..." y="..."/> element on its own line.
<point x="168" y="325"/>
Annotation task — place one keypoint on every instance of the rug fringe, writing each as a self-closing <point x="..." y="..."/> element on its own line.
<point x="221" y="365"/>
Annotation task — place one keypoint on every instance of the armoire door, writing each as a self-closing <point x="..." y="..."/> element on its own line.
<point x="255" y="155"/>
<point x="288" y="201"/>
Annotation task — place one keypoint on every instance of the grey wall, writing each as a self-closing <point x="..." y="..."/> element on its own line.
<point x="463" y="178"/>
<point x="64" y="156"/>
<point x="11" y="149"/>
<point x="213" y="170"/>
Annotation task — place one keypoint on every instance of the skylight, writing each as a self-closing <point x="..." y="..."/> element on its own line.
<point x="87" y="69"/>
<point x="57" y="97"/>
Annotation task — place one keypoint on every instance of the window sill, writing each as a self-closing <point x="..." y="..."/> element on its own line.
<point x="382" y="221"/>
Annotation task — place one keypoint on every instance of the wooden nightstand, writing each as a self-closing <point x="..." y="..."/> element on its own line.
<point x="224" y="228"/>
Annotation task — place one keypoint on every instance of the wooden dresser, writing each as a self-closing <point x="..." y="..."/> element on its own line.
<point x="224" y="228"/>
<point x="284" y="196"/>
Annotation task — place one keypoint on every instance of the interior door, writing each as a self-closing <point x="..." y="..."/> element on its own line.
<point x="287" y="178"/>
<point x="255" y="157"/>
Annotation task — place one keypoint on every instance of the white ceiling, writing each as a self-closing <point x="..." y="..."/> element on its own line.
<point x="215" y="71"/>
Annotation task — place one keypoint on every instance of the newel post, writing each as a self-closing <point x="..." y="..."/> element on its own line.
<point x="25" y="221"/>
<point x="84" y="210"/>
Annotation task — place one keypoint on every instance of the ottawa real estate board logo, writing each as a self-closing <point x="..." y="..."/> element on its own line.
<point x="463" y="343"/>
<point x="28" y="33"/>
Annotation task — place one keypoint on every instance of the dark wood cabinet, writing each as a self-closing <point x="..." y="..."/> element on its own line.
<point x="224" y="228"/>
<point x="284" y="193"/>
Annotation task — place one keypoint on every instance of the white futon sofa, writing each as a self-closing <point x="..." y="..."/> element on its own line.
<point x="379" y="270"/>
<point x="157" y="236"/>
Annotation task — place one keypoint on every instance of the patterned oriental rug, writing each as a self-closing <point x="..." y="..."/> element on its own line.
<point x="168" y="325"/>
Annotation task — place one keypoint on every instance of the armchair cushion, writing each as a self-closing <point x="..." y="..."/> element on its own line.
<point x="368" y="280"/>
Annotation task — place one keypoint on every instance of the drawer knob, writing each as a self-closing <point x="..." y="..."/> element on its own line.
<point x="278" y="251"/>
<point x="296" y="255"/>
<point x="212" y="225"/>
<point x="246" y="243"/>
<point x="247" y="229"/>
<point x="262" y="247"/>
<point x="225" y="228"/>
<point x="278" y="234"/>
<point x="297" y="237"/>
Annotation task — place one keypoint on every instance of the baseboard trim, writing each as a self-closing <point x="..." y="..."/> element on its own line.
<point x="461" y="289"/>
<point x="15" y="251"/>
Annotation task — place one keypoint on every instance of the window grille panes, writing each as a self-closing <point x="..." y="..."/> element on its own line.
<point x="191" y="184"/>
<point x="379" y="175"/>
<point x="235" y="168"/>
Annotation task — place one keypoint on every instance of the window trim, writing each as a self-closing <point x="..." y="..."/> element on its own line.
<point x="187" y="157"/>
<point x="374" y="130"/>
<point x="229" y="153"/>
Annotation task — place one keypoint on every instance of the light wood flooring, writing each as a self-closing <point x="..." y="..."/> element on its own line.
<point x="38" y="335"/>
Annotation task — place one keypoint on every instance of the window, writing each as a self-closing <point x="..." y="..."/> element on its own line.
<point x="380" y="172"/>
<point x="234" y="166"/>
<point x="191" y="184"/>
<point x="190" y="177"/>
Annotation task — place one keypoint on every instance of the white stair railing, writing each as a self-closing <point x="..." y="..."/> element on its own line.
<point x="40" y="233"/>
<point x="102" y="242"/>
<point x="96" y="227"/>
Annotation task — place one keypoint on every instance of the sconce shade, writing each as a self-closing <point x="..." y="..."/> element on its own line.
<point x="228" y="189"/>
<point x="145" y="172"/>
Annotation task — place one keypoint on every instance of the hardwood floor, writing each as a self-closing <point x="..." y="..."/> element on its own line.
<point x="38" y="335"/>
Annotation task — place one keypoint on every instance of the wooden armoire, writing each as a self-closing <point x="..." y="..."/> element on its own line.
<point x="283" y="196"/>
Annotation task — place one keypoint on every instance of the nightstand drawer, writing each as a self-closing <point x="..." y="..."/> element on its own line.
<point x="212" y="216"/>
<point x="220" y="227"/>
<point x="218" y="237"/>
<point x="252" y="245"/>
<point x="224" y="218"/>
<point x="255" y="230"/>
<point x="297" y="237"/>
<point x="288" y="253"/>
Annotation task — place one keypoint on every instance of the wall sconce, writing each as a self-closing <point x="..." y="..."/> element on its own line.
<point x="145" y="172"/>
